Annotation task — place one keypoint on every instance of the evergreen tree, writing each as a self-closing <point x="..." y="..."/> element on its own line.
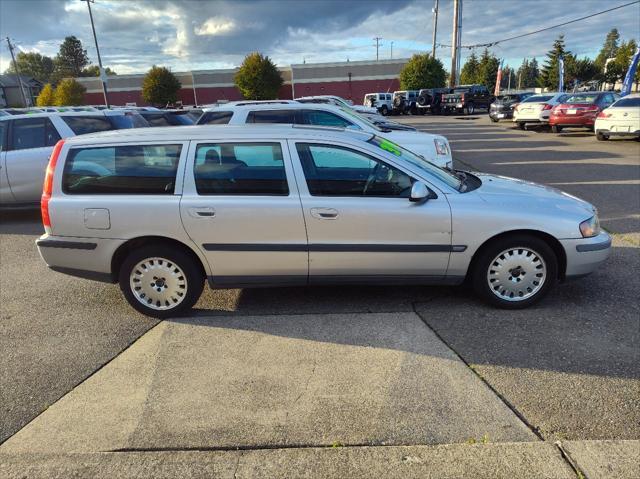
<point x="469" y="72"/>
<point x="71" y="59"/>
<point x="488" y="70"/>
<point x="617" y="68"/>
<point x="533" y="73"/>
<point x="506" y="72"/>
<point x="585" y="70"/>
<point x="549" y="75"/>
<point x="609" y="49"/>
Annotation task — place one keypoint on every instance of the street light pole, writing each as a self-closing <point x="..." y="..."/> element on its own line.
<point x="15" y="64"/>
<point x="435" y="29"/>
<point x="454" y="43"/>
<point x="103" y="75"/>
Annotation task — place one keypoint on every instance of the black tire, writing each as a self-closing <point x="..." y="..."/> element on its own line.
<point x="495" y="120"/>
<point x="469" y="109"/>
<point x="484" y="261"/>
<point x="601" y="136"/>
<point x="556" y="129"/>
<point x="520" y="125"/>
<point x="384" y="111"/>
<point x="193" y="278"/>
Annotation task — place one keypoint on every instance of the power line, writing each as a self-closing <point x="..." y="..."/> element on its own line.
<point x="490" y="44"/>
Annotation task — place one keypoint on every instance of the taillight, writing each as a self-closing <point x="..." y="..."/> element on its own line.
<point x="604" y="114"/>
<point x="47" y="188"/>
<point x="547" y="106"/>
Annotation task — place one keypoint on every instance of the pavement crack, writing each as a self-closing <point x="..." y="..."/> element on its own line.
<point x="306" y="384"/>
<point x="235" y="471"/>
<point x="580" y="474"/>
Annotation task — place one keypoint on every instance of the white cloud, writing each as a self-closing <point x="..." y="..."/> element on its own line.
<point x="215" y="26"/>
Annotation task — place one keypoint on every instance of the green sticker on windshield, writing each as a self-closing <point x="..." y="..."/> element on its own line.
<point x="390" y="147"/>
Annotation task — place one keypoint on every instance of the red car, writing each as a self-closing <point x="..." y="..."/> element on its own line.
<point x="580" y="110"/>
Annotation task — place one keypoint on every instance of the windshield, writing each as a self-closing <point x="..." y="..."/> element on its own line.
<point x="460" y="90"/>
<point x="581" y="99"/>
<point x="537" y="99"/>
<point x="443" y="175"/>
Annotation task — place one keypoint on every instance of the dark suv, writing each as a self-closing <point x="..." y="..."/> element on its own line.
<point x="467" y="99"/>
<point x="502" y="108"/>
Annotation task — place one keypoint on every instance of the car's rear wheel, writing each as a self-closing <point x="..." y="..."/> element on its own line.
<point x="601" y="136"/>
<point x="520" y="125"/>
<point x="495" y="120"/>
<point x="515" y="272"/>
<point x="384" y="110"/>
<point x="469" y="109"/>
<point x="556" y="128"/>
<point x="160" y="281"/>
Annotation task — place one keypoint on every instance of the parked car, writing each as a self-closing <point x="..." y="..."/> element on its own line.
<point x="405" y="102"/>
<point x="167" y="117"/>
<point x="467" y="99"/>
<point x="434" y="148"/>
<point x="382" y="102"/>
<point x="502" y="107"/>
<point x="430" y="100"/>
<point x="580" y="110"/>
<point x="337" y="101"/>
<point x="161" y="210"/>
<point x="536" y="109"/>
<point x="27" y="142"/>
<point x="620" y="119"/>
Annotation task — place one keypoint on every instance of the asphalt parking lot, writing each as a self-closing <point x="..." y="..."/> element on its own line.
<point x="304" y="370"/>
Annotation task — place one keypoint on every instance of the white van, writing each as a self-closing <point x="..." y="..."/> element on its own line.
<point x="383" y="102"/>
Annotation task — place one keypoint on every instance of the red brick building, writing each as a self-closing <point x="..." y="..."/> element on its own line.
<point x="350" y="80"/>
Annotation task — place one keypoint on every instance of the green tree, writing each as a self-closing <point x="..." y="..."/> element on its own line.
<point x="488" y="70"/>
<point x="32" y="65"/>
<point x="507" y="72"/>
<point x="469" y="72"/>
<point x="69" y="93"/>
<point x="549" y="75"/>
<point x="585" y="70"/>
<point x="160" y="87"/>
<point x="422" y="71"/>
<point x="528" y="74"/>
<point x="94" y="71"/>
<point x="71" y="59"/>
<point x="617" y="68"/>
<point x="258" y="78"/>
<point x="46" y="96"/>
<point x="608" y="50"/>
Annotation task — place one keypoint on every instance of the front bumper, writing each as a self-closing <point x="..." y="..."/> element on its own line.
<point x="586" y="255"/>
<point x="501" y="114"/>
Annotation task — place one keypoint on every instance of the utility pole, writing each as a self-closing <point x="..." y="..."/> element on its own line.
<point x="454" y="43"/>
<point x="378" y="45"/>
<point x="103" y="75"/>
<point x="392" y="50"/>
<point x="509" y="87"/>
<point x="435" y="29"/>
<point x="15" y="64"/>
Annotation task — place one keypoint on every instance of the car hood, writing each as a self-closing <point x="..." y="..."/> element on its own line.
<point x="525" y="195"/>
<point x="411" y="137"/>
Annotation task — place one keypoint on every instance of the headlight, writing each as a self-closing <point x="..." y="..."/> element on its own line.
<point x="442" y="147"/>
<point x="590" y="227"/>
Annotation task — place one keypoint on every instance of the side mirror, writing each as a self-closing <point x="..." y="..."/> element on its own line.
<point x="420" y="193"/>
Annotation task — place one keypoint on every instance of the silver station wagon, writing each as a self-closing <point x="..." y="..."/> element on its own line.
<point x="161" y="210"/>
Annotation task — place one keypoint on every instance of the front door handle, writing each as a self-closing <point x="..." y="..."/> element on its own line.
<point x="324" y="213"/>
<point x="202" y="212"/>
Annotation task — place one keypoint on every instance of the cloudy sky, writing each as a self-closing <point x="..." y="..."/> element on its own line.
<point x="190" y="34"/>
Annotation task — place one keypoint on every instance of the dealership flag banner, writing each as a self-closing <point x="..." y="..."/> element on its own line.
<point x="496" y="92"/>
<point x="631" y="72"/>
<point x="560" y="74"/>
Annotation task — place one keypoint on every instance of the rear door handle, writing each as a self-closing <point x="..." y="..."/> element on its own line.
<point x="324" y="213"/>
<point x="202" y="212"/>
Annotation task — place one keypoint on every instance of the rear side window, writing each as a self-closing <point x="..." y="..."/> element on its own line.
<point x="324" y="118"/>
<point x="240" y="169"/>
<point x="627" y="102"/>
<point x="131" y="169"/>
<point x="271" y="116"/>
<point x="81" y="125"/>
<point x="156" y="120"/>
<point x="215" y="118"/>
<point x="33" y="133"/>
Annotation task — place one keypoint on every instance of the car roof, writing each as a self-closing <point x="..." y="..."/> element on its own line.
<point x="220" y="132"/>
<point x="277" y="106"/>
<point x="48" y="114"/>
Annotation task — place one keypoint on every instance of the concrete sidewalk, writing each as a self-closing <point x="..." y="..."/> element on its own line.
<point x="269" y="381"/>
<point x="529" y="460"/>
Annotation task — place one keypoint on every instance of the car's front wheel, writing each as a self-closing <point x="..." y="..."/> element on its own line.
<point x="160" y="281"/>
<point x="384" y="110"/>
<point x="556" y="129"/>
<point x="520" y="125"/>
<point x="515" y="272"/>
